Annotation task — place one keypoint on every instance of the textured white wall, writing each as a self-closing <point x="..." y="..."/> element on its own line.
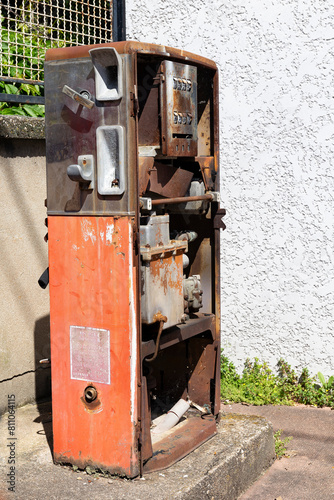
<point x="277" y="149"/>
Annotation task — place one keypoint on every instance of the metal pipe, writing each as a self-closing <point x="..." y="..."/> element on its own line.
<point x="25" y="99"/>
<point x="162" y="319"/>
<point x="182" y="199"/>
<point x="172" y="417"/>
<point x="21" y="80"/>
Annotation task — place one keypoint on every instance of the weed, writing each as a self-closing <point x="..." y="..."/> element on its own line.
<point x="258" y="385"/>
<point x="280" y="444"/>
<point x="329" y="385"/>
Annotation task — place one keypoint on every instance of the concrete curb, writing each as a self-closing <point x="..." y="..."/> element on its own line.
<point x="222" y="468"/>
<point x="231" y="462"/>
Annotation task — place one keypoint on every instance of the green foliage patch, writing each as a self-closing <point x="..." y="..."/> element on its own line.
<point x="258" y="385"/>
<point x="27" y="52"/>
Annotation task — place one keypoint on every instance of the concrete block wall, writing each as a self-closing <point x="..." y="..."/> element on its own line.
<point x="277" y="151"/>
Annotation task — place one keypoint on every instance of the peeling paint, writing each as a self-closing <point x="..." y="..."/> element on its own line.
<point x="109" y="233"/>
<point x="88" y="232"/>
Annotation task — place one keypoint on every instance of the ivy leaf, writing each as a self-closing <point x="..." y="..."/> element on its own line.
<point x="34" y="110"/>
<point x="13" y="111"/>
<point x="11" y="89"/>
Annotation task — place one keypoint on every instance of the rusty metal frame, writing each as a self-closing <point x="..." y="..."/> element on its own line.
<point x="201" y="331"/>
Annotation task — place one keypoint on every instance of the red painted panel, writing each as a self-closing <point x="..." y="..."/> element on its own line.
<point x="93" y="286"/>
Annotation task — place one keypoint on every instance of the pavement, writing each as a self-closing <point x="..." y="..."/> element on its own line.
<point x="308" y="472"/>
<point x="235" y="464"/>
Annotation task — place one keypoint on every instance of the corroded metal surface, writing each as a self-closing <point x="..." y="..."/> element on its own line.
<point x="194" y="326"/>
<point x="145" y="165"/>
<point x="169" y="181"/>
<point x="92" y="281"/>
<point x="119" y="277"/>
<point x="207" y="165"/>
<point x="131" y="47"/>
<point x="162" y="290"/>
<point x="71" y="132"/>
<point x="178" y="109"/>
<point x="180" y="441"/>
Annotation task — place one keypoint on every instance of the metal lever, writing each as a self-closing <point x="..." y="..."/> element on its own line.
<point x="83" y="172"/>
<point x="78" y="97"/>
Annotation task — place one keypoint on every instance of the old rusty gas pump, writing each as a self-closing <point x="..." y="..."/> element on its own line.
<point x="133" y="234"/>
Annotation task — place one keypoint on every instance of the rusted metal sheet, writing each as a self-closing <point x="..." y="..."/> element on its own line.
<point x="93" y="291"/>
<point x="180" y="441"/>
<point x="105" y="382"/>
<point x="132" y="47"/>
<point x="71" y="132"/>
<point x="178" y="109"/>
<point x="162" y="290"/>
<point x="202" y="357"/>
<point x="217" y="377"/>
<point x="207" y="166"/>
<point x="148" y="93"/>
<point x="194" y="326"/>
<point x="145" y="165"/>
<point x="218" y="215"/>
<point x="169" y="181"/>
<point x="206" y="116"/>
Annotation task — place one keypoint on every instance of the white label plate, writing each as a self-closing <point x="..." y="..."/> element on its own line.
<point x="90" y="354"/>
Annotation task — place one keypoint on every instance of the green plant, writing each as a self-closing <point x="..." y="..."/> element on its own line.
<point x="258" y="385"/>
<point x="280" y="444"/>
<point x="34" y="110"/>
<point x="326" y="385"/>
<point x="22" y="57"/>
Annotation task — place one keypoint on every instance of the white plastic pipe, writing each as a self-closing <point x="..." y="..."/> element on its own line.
<point x="172" y="417"/>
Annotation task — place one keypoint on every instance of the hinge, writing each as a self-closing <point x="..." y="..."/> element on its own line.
<point x="134" y="102"/>
<point x="135" y="241"/>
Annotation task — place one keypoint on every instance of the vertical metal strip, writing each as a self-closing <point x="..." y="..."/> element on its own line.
<point x="118" y="21"/>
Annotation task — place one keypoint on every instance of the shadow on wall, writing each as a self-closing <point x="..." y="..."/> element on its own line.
<point x="43" y="377"/>
<point x="42" y="351"/>
<point x="22" y="159"/>
<point x="42" y="373"/>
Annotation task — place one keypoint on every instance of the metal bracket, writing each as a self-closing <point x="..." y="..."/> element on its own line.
<point x="215" y="196"/>
<point x="218" y="219"/>
<point x="145" y="203"/>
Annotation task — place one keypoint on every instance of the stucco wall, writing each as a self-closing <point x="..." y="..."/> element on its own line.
<point x="24" y="306"/>
<point x="277" y="149"/>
